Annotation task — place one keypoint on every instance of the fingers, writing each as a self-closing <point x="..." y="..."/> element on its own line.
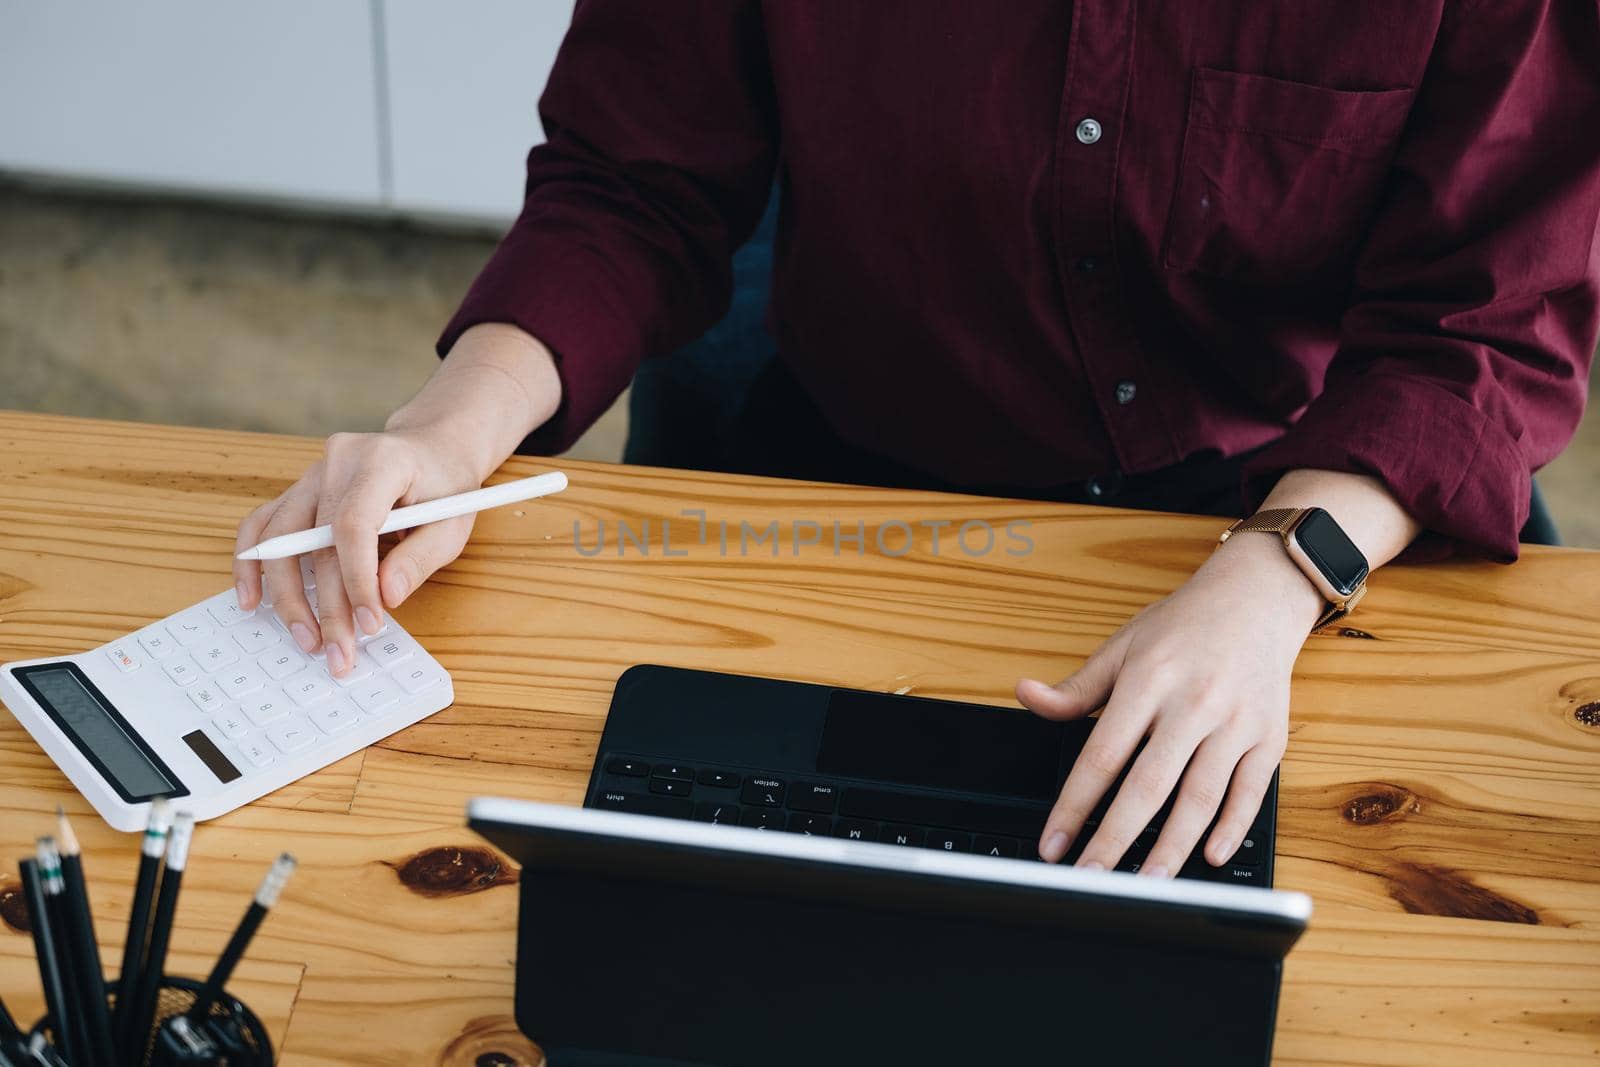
<point x="1080" y="693"/>
<point x="1250" y="780"/>
<point x="296" y="510"/>
<point x="247" y="572"/>
<point x="1144" y="792"/>
<point x="1112" y="741"/>
<point x="417" y="556"/>
<point x="1204" y="785"/>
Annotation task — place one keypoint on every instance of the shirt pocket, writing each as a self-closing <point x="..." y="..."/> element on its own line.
<point x="1278" y="180"/>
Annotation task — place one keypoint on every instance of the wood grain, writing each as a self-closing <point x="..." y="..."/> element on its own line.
<point x="1441" y="793"/>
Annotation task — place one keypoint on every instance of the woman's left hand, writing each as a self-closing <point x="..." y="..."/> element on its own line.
<point x="1203" y="674"/>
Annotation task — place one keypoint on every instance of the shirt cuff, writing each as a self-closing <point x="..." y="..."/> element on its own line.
<point x="1456" y="471"/>
<point x="566" y="307"/>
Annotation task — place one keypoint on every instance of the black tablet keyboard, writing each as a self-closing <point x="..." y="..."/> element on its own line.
<point x="885" y="814"/>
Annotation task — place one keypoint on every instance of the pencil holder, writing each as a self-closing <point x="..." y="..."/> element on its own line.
<point x="248" y="1043"/>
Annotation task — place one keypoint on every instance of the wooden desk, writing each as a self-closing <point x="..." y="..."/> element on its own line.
<point x="1441" y="794"/>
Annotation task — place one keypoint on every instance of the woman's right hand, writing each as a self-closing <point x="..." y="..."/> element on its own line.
<point x="352" y="488"/>
<point x="496" y="386"/>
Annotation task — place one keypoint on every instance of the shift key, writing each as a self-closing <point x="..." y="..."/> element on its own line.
<point x="645" y="804"/>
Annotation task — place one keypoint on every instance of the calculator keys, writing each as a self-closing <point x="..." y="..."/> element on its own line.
<point x="182" y="670"/>
<point x="389" y="651"/>
<point x="265" y="709"/>
<point x="376" y="696"/>
<point x="333" y="716"/>
<point x="231" y="725"/>
<point x="281" y="662"/>
<point x="227" y="612"/>
<point x="156" y="644"/>
<point x="291" y="736"/>
<point x="215" y="656"/>
<point x="256" y="636"/>
<point x="241" y="681"/>
<point x="360" y="672"/>
<point x="255" y="750"/>
<point x="190" y="628"/>
<point x="416" y="679"/>
<point x="308" y="690"/>
<point x="207" y="697"/>
<point x="122" y="654"/>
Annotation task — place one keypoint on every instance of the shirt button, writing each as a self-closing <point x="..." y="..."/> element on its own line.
<point x="1088" y="265"/>
<point x="1096" y="489"/>
<point x="1088" y="131"/>
<point x="1126" y="391"/>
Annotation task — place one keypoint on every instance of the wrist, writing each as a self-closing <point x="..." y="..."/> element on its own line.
<point x="1257" y="567"/>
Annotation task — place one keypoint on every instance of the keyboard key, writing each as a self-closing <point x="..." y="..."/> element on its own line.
<point x="1004" y="847"/>
<point x="670" y="787"/>
<point x="1250" y="852"/>
<point x="281" y="662"/>
<point x="334" y="716"/>
<point x="946" y="841"/>
<point x="190" y="628"/>
<point x="207" y="698"/>
<point x="813" y="796"/>
<point x="291" y="736"/>
<point x="719" y="779"/>
<point x="182" y="670"/>
<point x="810" y="825"/>
<point x="390" y="650"/>
<point x="909" y="836"/>
<point x="415" y="679"/>
<point x="976" y="816"/>
<point x="122" y="654"/>
<point x="376" y="696"/>
<point x="241" y="681"/>
<point x="629" y="768"/>
<point x="308" y="690"/>
<point x="256" y="637"/>
<point x="762" y="819"/>
<point x="721" y="814"/>
<point x="362" y="670"/>
<point x="644" y="804"/>
<point x="856" y="830"/>
<point x="257" y="751"/>
<point x="231" y="725"/>
<point x="227" y="611"/>
<point x="156" y="644"/>
<point x="215" y="656"/>
<point x="673" y="770"/>
<point x="763" y="792"/>
<point x="265" y="708"/>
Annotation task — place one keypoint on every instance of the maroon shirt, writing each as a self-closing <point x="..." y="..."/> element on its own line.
<point x="1028" y="242"/>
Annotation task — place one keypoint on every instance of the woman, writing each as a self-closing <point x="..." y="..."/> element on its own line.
<point x="1197" y="257"/>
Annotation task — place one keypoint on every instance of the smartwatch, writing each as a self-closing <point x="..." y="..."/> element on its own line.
<point x="1321" y="549"/>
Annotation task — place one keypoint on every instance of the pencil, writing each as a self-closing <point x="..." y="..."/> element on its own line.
<point x="57" y="1000"/>
<point x="155" y="843"/>
<point x="66" y="949"/>
<point x="155" y="963"/>
<point x="445" y="507"/>
<point x="86" y="963"/>
<point x="266" y="896"/>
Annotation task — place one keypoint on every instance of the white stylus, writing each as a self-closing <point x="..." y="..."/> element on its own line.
<point x="446" y="507"/>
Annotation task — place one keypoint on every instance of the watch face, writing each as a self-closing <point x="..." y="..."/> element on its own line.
<point x="1334" y="554"/>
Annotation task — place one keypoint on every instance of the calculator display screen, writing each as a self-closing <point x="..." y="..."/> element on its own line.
<point x="941" y="745"/>
<point x="101" y="734"/>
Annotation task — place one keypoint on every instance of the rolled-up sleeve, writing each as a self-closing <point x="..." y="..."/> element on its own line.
<point x="1464" y="356"/>
<point x="661" y="141"/>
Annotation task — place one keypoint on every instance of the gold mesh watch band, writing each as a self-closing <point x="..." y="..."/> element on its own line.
<point x="1281" y="521"/>
<point x="1274" y="520"/>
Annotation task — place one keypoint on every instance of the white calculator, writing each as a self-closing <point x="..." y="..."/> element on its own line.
<point x="215" y="707"/>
